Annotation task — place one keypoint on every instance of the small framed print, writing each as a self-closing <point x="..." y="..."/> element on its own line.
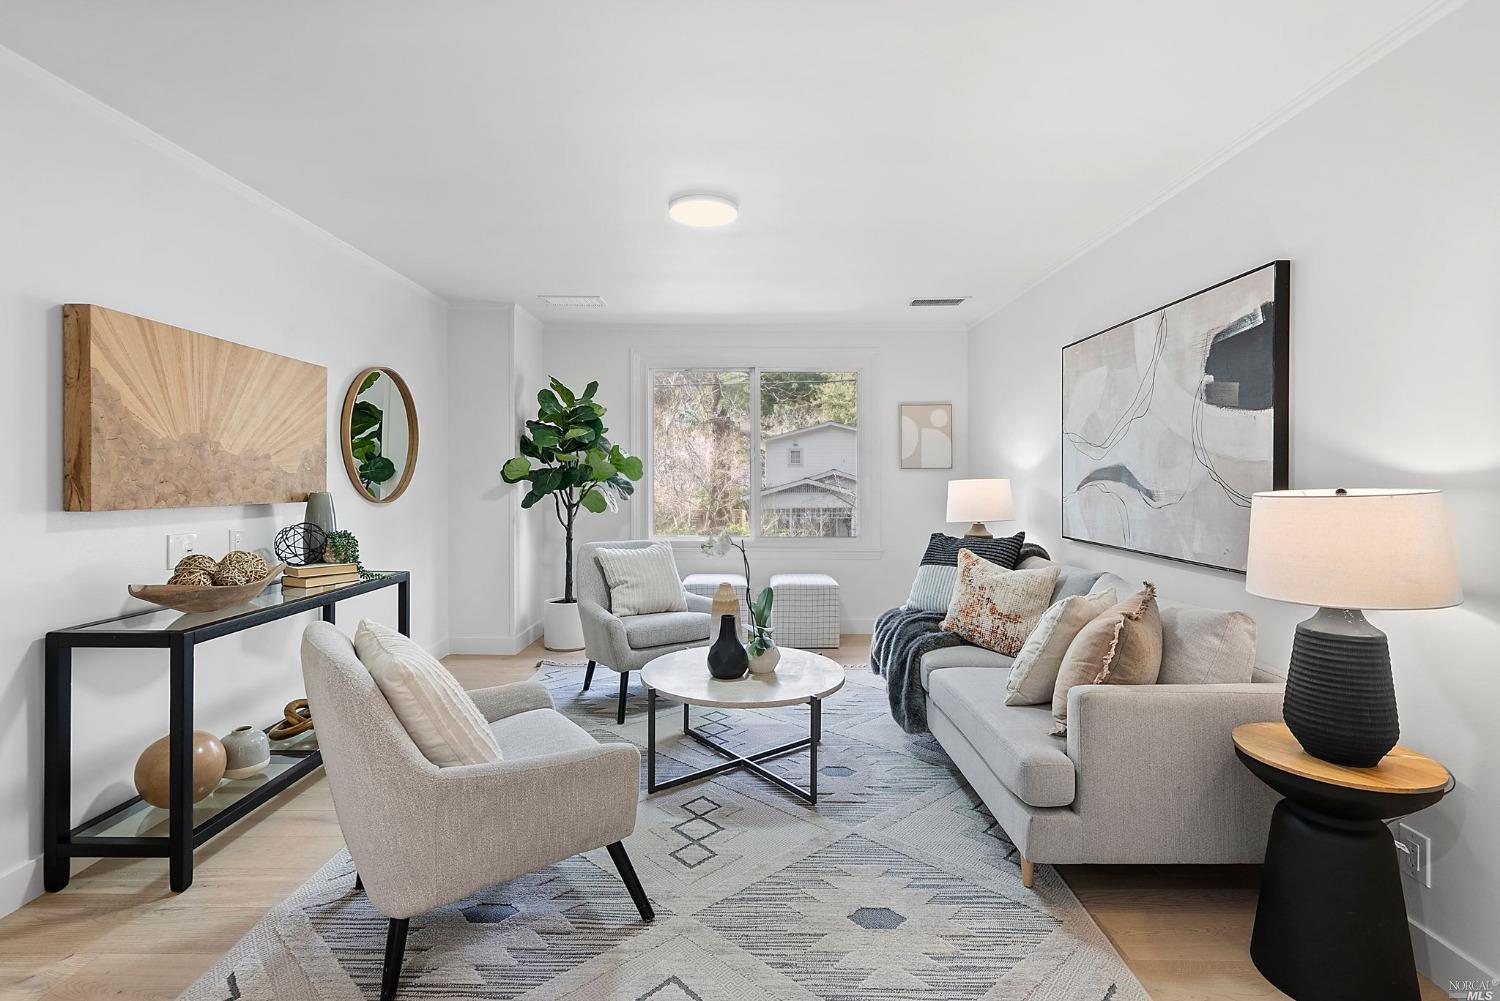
<point x="926" y="435"/>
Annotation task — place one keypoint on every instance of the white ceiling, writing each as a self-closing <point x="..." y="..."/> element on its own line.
<point x="879" y="149"/>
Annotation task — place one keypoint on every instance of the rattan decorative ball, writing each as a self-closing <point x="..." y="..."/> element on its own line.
<point x="197" y="561"/>
<point x="247" y="563"/>
<point x="192" y="576"/>
<point x="231" y="576"/>
<point x="300" y="544"/>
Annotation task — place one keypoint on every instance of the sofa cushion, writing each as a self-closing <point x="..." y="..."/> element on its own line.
<point x="964" y="656"/>
<point x="1034" y="674"/>
<point x="661" y="628"/>
<point x="1205" y="646"/>
<point x="1013" y="740"/>
<point x="1120" y="647"/>
<point x="537" y="732"/>
<point x="933" y="588"/>
<point x="997" y="608"/>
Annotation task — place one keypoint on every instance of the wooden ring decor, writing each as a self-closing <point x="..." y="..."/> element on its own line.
<point x="297" y="718"/>
<point x="352" y="465"/>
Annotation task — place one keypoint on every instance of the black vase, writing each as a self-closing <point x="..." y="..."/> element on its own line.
<point x="1340" y="702"/>
<point x="727" y="658"/>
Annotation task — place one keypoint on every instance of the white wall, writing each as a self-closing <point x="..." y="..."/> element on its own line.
<point x="98" y="210"/>
<point x="904" y="366"/>
<point x="495" y="549"/>
<point x="1385" y="196"/>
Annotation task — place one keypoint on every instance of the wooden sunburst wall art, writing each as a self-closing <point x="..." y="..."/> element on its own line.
<point x="158" y="416"/>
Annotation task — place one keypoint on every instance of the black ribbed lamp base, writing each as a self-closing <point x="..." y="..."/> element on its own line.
<point x="1340" y="701"/>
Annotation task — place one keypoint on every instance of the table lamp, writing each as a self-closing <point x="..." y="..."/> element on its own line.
<point x="1345" y="551"/>
<point x="979" y="501"/>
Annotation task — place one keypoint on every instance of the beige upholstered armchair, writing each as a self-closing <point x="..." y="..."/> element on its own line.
<point x="628" y="643"/>
<point x="422" y="836"/>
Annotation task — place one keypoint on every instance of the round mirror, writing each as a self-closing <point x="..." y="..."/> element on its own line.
<point x="379" y="434"/>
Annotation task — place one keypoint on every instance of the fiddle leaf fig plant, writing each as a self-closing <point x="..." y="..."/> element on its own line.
<point x="566" y="455"/>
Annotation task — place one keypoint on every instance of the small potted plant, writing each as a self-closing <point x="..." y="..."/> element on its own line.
<point x="764" y="655"/>
<point x="566" y="455"/>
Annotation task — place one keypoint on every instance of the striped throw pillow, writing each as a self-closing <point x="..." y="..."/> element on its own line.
<point x="642" y="580"/>
<point x="437" y="713"/>
<point x="942" y="550"/>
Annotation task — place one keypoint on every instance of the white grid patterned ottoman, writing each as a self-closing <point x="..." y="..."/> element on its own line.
<point x="707" y="583"/>
<point x="805" y="613"/>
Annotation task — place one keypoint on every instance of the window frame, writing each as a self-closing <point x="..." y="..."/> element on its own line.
<point x="756" y="359"/>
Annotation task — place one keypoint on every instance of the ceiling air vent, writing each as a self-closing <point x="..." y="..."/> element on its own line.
<point x="940" y="302"/>
<point x="572" y="300"/>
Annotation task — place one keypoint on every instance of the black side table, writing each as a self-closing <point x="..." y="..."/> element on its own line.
<point x="1331" y="922"/>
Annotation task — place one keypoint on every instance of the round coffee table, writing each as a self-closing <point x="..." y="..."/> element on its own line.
<point x="800" y="677"/>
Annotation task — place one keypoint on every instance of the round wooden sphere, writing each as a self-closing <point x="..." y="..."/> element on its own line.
<point x="192" y="576"/>
<point x="197" y="561"/>
<point x="249" y="564"/>
<point x="153" y="770"/>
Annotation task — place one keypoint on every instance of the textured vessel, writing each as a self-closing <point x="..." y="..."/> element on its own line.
<point x="247" y="752"/>
<point x="1340" y="701"/>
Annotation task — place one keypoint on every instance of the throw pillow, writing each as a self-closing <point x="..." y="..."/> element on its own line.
<point x="994" y="607"/>
<point x="932" y="591"/>
<point x="1033" y="676"/>
<point x="642" y="580"/>
<point x="1122" y="646"/>
<point x="1205" y="646"/>
<point x="437" y="713"/>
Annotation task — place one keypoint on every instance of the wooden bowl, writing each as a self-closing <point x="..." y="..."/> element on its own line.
<point x="190" y="598"/>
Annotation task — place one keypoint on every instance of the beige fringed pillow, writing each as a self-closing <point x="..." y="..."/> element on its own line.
<point x="1033" y="677"/>
<point x="1120" y="647"/>
<point x="997" y="608"/>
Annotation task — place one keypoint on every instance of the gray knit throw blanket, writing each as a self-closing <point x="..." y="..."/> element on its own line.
<point x="900" y="639"/>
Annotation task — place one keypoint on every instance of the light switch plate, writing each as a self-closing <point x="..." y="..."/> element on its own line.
<point x="236" y="539"/>
<point x="1416" y="859"/>
<point x="180" y="545"/>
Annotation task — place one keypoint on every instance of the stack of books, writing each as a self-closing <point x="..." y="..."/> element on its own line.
<point x="318" y="575"/>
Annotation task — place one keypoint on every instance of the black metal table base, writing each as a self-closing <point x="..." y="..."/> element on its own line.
<point x="735" y="760"/>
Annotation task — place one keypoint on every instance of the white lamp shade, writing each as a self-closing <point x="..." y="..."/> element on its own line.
<point x="979" y="500"/>
<point x="1353" y="549"/>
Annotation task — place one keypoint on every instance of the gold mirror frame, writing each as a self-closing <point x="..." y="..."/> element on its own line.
<point x="413" y="433"/>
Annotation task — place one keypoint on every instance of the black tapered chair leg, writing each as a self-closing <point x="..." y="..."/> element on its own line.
<point x="624" y="692"/>
<point x="359" y="883"/>
<point x="395" y="952"/>
<point x="588" y="676"/>
<point x="632" y="883"/>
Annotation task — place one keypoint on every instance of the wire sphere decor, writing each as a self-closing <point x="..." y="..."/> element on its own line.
<point x="300" y="544"/>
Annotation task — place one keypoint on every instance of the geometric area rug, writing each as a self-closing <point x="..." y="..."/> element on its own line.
<point x="897" y="886"/>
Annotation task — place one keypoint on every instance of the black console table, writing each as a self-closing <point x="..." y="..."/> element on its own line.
<point x="118" y="832"/>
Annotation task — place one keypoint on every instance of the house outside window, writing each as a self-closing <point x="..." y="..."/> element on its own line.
<point x="801" y="427"/>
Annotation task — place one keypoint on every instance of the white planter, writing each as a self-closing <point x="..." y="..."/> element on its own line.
<point x="562" y="627"/>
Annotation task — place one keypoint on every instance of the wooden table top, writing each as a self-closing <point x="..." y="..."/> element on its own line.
<point x="799" y="677"/>
<point x="1401" y="771"/>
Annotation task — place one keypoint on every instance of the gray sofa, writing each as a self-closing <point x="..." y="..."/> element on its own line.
<point x="1147" y="774"/>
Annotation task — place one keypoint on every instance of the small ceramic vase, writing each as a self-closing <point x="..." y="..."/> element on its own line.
<point x="248" y="752"/>
<point x="727" y="658"/>
<point x="726" y="602"/>
<point x="765" y="663"/>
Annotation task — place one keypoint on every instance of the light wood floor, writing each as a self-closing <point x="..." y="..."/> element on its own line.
<point x="118" y="932"/>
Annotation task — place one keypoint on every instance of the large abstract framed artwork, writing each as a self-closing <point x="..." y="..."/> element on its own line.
<point x="1172" y="420"/>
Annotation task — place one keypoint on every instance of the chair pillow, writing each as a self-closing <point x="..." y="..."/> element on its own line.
<point x="1122" y="646"/>
<point x="642" y="580"/>
<point x="994" y="607"/>
<point x="437" y="713"/>
<point x="1033" y="677"/>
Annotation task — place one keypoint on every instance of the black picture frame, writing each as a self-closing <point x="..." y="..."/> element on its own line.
<point x="1280" y="406"/>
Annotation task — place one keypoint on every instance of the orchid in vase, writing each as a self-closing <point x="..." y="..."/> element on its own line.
<point x="762" y="648"/>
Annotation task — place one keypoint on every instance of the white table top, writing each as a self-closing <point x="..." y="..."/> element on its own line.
<point x="800" y="676"/>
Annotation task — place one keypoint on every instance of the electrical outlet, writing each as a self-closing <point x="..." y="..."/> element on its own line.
<point x="1414" y="853"/>
<point x="178" y="546"/>
<point x="236" y="539"/>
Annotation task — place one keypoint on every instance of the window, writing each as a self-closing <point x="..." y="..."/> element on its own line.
<point x="801" y="426"/>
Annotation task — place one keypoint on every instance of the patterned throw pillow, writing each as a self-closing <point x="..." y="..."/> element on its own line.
<point x="997" y="608"/>
<point x="642" y="580"/>
<point x="932" y="591"/>
<point x="1120" y="647"/>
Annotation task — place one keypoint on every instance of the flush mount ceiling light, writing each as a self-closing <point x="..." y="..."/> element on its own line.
<point x="703" y="210"/>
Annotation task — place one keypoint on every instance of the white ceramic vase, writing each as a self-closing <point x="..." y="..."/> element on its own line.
<point x="247" y="752"/>
<point x="562" y="626"/>
<point x="765" y="663"/>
